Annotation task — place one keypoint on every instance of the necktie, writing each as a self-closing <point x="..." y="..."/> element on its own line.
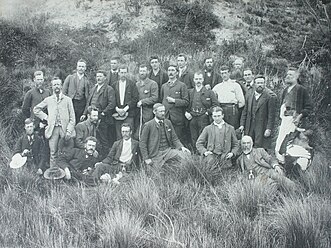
<point x="161" y="123"/>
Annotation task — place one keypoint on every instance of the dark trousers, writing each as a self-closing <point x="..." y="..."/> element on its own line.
<point x="197" y="124"/>
<point x="231" y="114"/>
<point x="103" y="137"/>
<point x="79" y="106"/>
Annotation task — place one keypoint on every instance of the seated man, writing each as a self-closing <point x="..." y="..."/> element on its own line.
<point x="258" y="163"/>
<point x="32" y="146"/>
<point x="218" y="142"/>
<point x="77" y="162"/>
<point x="123" y="156"/>
<point x="159" y="142"/>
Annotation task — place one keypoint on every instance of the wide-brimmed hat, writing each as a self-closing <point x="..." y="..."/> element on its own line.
<point x="17" y="161"/>
<point x="120" y="118"/>
<point x="54" y="173"/>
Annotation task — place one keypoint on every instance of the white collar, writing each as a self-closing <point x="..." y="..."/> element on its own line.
<point x="198" y="90"/>
<point x="127" y="141"/>
<point x="290" y="87"/>
<point x="219" y="125"/>
<point x="157" y="120"/>
<point x="122" y="82"/>
<point x="80" y="76"/>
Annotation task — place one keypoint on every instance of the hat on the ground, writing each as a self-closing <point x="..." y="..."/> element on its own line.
<point x="54" y="173"/>
<point x="17" y="161"/>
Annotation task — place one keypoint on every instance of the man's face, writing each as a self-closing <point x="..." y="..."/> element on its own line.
<point x="39" y="81"/>
<point x="90" y="146"/>
<point x="246" y="145"/>
<point x="126" y="133"/>
<point x="218" y="116"/>
<point x="172" y="72"/>
<point x="100" y="78"/>
<point x="291" y="77"/>
<point x="237" y="64"/>
<point x="122" y="74"/>
<point x="209" y="64"/>
<point x="225" y="75"/>
<point x="113" y="64"/>
<point x="259" y="85"/>
<point x="81" y="67"/>
<point x="57" y="86"/>
<point x="143" y="71"/>
<point x="160" y="112"/>
<point x="29" y="128"/>
<point x="155" y="64"/>
<point x="198" y="80"/>
<point x="94" y="116"/>
<point x="248" y="76"/>
<point x="181" y="61"/>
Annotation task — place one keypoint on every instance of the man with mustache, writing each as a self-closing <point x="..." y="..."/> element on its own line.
<point x="185" y="75"/>
<point x="211" y="77"/>
<point x="258" y="117"/>
<point x="157" y="74"/>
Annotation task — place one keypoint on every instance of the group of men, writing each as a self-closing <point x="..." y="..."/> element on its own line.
<point x="107" y="128"/>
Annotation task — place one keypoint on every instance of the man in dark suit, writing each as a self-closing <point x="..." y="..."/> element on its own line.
<point x="159" y="142"/>
<point x="199" y="109"/>
<point x="77" y="87"/>
<point x="102" y="97"/>
<point x="211" y="77"/>
<point x="258" y="117"/>
<point x="123" y="156"/>
<point x="127" y="96"/>
<point x="249" y="79"/>
<point x="112" y="76"/>
<point x="32" y="146"/>
<point x="157" y="74"/>
<point x="185" y="75"/>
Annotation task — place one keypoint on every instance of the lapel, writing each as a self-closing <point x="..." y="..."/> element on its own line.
<point x="263" y="98"/>
<point x="119" y="151"/>
<point x="76" y="81"/>
<point x="102" y="89"/>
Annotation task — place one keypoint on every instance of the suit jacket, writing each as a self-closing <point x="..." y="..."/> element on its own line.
<point x="208" y="99"/>
<point x="304" y="104"/>
<point x="263" y="118"/>
<point x="187" y="78"/>
<point x="261" y="158"/>
<point x="130" y="98"/>
<point x="175" y="111"/>
<point x="116" y="150"/>
<point x="76" y="159"/>
<point x="112" y="78"/>
<point x="215" y="78"/>
<point x="31" y="99"/>
<point x="160" y="78"/>
<point x="70" y="86"/>
<point x="82" y="132"/>
<point x="150" y="138"/>
<point x="64" y="107"/>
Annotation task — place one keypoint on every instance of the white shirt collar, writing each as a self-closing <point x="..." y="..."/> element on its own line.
<point x="290" y="87"/>
<point x="157" y="120"/>
<point x="199" y="89"/>
<point x="127" y="141"/>
<point x="80" y="76"/>
<point x="219" y="125"/>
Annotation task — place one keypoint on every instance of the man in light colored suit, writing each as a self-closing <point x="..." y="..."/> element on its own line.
<point x="60" y="119"/>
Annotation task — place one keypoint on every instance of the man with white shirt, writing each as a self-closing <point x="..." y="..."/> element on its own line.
<point x="218" y="142"/>
<point x="184" y="73"/>
<point x="112" y="76"/>
<point x="77" y="87"/>
<point x="230" y="96"/>
<point x="258" y="117"/>
<point x="211" y="77"/>
<point x="157" y="74"/>
<point x="199" y="109"/>
<point x="126" y="94"/>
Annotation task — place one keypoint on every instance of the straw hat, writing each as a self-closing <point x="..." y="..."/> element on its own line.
<point x="17" y="161"/>
<point x="120" y="118"/>
<point x="54" y="173"/>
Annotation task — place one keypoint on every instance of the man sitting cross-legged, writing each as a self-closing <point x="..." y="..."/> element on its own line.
<point x="258" y="163"/>
<point x="123" y="156"/>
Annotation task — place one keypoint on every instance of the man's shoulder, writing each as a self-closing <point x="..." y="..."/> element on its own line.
<point x="150" y="123"/>
<point x="227" y="125"/>
<point x="81" y="124"/>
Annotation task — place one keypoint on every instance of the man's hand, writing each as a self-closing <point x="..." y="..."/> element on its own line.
<point x="67" y="137"/>
<point x="229" y="155"/>
<point x="68" y="173"/>
<point x="170" y="99"/>
<point x="82" y="118"/>
<point x="267" y="133"/>
<point x="139" y="104"/>
<point x="25" y="153"/>
<point x="184" y="149"/>
<point x="120" y="111"/>
<point x="241" y="128"/>
<point x="279" y="170"/>
<point x="297" y="120"/>
<point x="148" y="162"/>
<point x="97" y="164"/>
<point x="208" y="87"/>
<point x="188" y="116"/>
<point x="95" y="154"/>
<point x="42" y="125"/>
<point x="207" y="153"/>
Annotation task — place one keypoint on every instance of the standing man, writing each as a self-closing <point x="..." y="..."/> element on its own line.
<point x="148" y="95"/>
<point x="249" y="79"/>
<point x="211" y="77"/>
<point x="60" y="118"/>
<point x="231" y="98"/>
<point x="218" y="142"/>
<point x="112" y="77"/>
<point x="102" y="97"/>
<point x="34" y="96"/>
<point x="185" y="75"/>
<point x="159" y="142"/>
<point x="199" y="109"/>
<point x="77" y="87"/>
<point x="127" y="95"/>
<point x="157" y="74"/>
<point x="295" y="105"/>
<point x="174" y="96"/>
<point x="258" y="117"/>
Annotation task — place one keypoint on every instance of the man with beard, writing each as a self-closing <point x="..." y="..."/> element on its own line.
<point x="159" y="142"/>
<point x="148" y="95"/>
<point x="211" y="77"/>
<point x="295" y="105"/>
<point x="34" y="96"/>
<point x="218" y="142"/>
<point x="185" y="75"/>
<point x="112" y="77"/>
<point x="102" y="97"/>
<point x="157" y="74"/>
<point x="257" y="163"/>
<point x="258" y="117"/>
<point x="60" y="118"/>
<point x="174" y="95"/>
<point x="231" y="98"/>
<point x="199" y="109"/>
<point x="77" y="87"/>
<point x="87" y="128"/>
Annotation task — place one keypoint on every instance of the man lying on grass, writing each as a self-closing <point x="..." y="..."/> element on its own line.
<point x="257" y="163"/>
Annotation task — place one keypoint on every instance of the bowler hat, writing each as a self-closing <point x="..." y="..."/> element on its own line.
<point x="54" y="173"/>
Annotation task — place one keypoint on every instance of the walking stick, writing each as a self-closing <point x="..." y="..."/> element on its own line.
<point x="140" y="120"/>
